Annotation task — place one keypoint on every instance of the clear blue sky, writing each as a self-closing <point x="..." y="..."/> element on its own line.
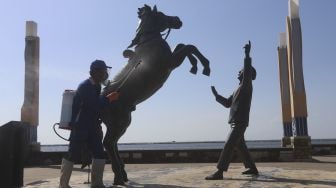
<point x="74" y="33"/>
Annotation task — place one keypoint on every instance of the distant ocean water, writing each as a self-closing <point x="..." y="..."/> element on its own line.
<point x="189" y="145"/>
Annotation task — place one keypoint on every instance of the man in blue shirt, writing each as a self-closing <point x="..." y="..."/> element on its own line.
<point x="239" y="103"/>
<point x="85" y="125"/>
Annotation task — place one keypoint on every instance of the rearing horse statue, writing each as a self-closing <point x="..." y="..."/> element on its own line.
<point x="147" y="69"/>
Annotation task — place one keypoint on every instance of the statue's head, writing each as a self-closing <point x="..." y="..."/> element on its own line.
<point x="240" y="74"/>
<point x="144" y="10"/>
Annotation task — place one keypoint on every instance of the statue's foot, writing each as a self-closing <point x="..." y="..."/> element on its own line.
<point x="206" y="71"/>
<point x="193" y="70"/>
<point x="251" y="171"/>
<point x="215" y="176"/>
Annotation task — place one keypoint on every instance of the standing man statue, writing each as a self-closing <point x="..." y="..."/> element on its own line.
<point x="239" y="103"/>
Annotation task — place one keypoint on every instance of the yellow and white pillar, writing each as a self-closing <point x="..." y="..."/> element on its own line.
<point x="285" y="90"/>
<point x="293" y="94"/>
<point x="295" y="70"/>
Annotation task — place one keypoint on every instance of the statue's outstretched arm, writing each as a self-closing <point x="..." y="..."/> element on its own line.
<point x="220" y="99"/>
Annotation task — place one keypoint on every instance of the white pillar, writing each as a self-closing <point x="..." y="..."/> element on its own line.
<point x="30" y="107"/>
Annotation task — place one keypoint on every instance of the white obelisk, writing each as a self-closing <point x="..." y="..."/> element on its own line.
<point x="30" y="108"/>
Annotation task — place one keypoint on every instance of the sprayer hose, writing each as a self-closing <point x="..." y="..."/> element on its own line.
<point x="54" y="127"/>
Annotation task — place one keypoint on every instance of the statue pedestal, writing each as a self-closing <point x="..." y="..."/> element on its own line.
<point x="35" y="146"/>
<point x="13" y="144"/>
<point x="301" y="148"/>
<point x="31" y="136"/>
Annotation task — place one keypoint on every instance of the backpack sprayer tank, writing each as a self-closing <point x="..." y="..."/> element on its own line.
<point x="66" y="111"/>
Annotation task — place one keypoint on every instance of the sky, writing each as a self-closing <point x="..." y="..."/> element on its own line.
<point x="74" y="33"/>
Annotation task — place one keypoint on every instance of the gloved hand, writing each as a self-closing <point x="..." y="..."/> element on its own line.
<point x="113" y="96"/>
<point x="213" y="89"/>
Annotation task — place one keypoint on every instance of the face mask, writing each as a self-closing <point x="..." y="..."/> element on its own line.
<point x="106" y="82"/>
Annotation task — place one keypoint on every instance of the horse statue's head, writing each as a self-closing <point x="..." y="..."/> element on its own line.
<point x="152" y="23"/>
<point x="157" y="19"/>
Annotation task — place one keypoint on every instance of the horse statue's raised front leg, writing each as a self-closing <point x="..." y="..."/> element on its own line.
<point x="114" y="131"/>
<point x="182" y="51"/>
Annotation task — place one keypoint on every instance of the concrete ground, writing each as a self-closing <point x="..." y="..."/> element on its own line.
<point x="319" y="173"/>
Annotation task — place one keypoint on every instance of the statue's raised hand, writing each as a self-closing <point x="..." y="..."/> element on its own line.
<point x="247" y="49"/>
<point x="214" y="91"/>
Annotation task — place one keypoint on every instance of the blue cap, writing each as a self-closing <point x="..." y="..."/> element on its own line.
<point x="98" y="64"/>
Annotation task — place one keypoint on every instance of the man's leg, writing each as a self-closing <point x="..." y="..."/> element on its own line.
<point x="227" y="152"/>
<point x="98" y="162"/>
<point x="66" y="170"/>
<point x="68" y="162"/>
<point x="246" y="157"/>
<point x="78" y="137"/>
<point x="98" y="166"/>
<point x="226" y="155"/>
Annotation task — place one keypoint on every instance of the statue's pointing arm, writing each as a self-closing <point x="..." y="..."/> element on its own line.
<point x="247" y="74"/>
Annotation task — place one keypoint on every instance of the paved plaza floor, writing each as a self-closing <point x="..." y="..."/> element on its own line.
<point x="321" y="172"/>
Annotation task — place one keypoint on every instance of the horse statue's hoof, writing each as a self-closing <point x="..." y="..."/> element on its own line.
<point x="118" y="180"/>
<point x="124" y="174"/>
<point x="206" y="71"/>
<point x="193" y="70"/>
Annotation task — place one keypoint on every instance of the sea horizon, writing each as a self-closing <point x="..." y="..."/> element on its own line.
<point x="189" y="145"/>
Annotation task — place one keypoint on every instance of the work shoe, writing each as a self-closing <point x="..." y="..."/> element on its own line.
<point x="66" y="170"/>
<point x="97" y="173"/>
<point x="251" y="171"/>
<point x="215" y="176"/>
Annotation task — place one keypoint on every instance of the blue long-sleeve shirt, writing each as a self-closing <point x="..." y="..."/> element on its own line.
<point x="87" y="105"/>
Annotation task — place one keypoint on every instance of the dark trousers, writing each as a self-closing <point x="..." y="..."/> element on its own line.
<point x="83" y="140"/>
<point x="235" y="141"/>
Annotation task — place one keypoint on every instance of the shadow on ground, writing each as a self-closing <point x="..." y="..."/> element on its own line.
<point x="133" y="184"/>
<point x="270" y="179"/>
